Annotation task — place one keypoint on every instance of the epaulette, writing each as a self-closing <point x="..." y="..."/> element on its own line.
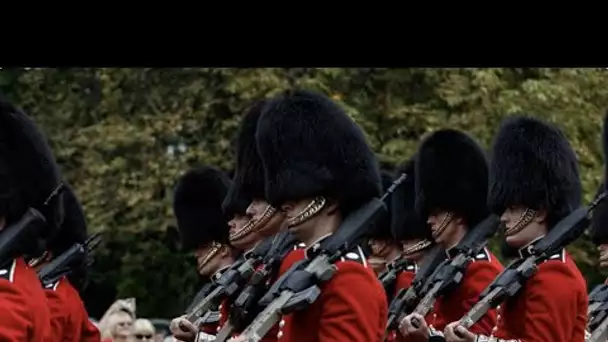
<point x="300" y="245"/>
<point x="356" y="255"/>
<point x="8" y="273"/>
<point x="483" y="255"/>
<point x="52" y="286"/>
<point x="413" y="267"/>
<point x="561" y="255"/>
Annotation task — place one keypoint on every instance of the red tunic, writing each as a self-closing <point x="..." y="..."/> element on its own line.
<point x="551" y="307"/>
<point x="290" y="259"/>
<point x="352" y="307"/>
<point x="69" y="318"/>
<point x="25" y="314"/>
<point x="479" y="274"/>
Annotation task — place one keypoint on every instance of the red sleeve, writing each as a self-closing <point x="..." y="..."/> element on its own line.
<point x="59" y="314"/>
<point x="404" y="280"/>
<point x="354" y="306"/>
<point x="479" y="275"/>
<point x="555" y="299"/>
<point x="16" y="320"/>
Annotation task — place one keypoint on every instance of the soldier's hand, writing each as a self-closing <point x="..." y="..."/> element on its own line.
<point x="454" y="332"/>
<point x="414" y="328"/>
<point x="183" y="330"/>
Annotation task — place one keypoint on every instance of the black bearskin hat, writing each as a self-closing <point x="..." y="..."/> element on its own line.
<point x="406" y="223"/>
<point x="310" y="147"/>
<point x="28" y="170"/>
<point x="533" y="165"/>
<point x="452" y="175"/>
<point x="197" y="204"/>
<point x="248" y="180"/>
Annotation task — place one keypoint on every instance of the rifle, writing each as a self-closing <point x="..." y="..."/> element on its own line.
<point x="598" y="312"/>
<point x="62" y="264"/>
<point x="244" y="308"/>
<point x="230" y="282"/>
<point x="388" y="278"/>
<point x="407" y="298"/>
<point x="451" y="272"/>
<point x="299" y="287"/>
<point x="513" y="278"/>
<point x="24" y="231"/>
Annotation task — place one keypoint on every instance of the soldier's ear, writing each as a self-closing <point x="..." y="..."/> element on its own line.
<point x="225" y="251"/>
<point x="541" y="216"/>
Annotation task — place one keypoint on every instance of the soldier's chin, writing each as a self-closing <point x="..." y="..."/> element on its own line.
<point x="243" y="242"/>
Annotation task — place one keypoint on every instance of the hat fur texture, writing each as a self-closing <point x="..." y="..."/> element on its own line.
<point x="533" y="165"/>
<point x="310" y="147"/>
<point x="197" y="204"/>
<point x="28" y="170"/>
<point x="406" y="223"/>
<point x="452" y="175"/>
<point x="248" y="179"/>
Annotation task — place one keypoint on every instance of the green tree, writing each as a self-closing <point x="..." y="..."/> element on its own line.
<point x="123" y="136"/>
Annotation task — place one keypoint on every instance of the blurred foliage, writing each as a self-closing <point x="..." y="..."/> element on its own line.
<point x="123" y="136"/>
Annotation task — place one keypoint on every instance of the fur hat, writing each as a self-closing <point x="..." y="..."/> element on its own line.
<point x="310" y="147"/>
<point x="197" y="204"/>
<point x="406" y="224"/>
<point x="28" y="170"/>
<point x="534" y="165"/>
<point x="452" y="175"/>
<point x="248" y="179"/>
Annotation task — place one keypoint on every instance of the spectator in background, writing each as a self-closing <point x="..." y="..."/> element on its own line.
<point x="143" y="330"/>
<point x="116" y="324"/>
<point x="118" y="327"/>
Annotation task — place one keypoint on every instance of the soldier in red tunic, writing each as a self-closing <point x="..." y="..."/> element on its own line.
<point x="203" y="227"/>
<point x="535" y="183"/>
<point x="69" y="318"/>
<point x="451" y="191"/>
<point x="28" y="176"/>
<point x="318" y="169"/>
<point x="409" y="230"/>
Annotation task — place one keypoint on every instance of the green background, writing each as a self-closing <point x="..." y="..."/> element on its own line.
<point x="119" y="135"/>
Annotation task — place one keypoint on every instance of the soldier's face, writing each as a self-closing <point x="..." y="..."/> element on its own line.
<point x="518" y="235"/>
<point x="446" y="228"/>
<point x="244" y="242"/>
<point x="303" y="231"/>
<point x="380" y="250"/>
<point x="206" y="266"/>
<point x="258" y="210"/>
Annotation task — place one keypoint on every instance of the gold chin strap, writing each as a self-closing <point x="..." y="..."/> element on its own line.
<point x="254" y="224"/>
<point x="444" y="224"/>
<point x="37" y="261"/>
<point x="313" y="208"/>
<point x="418" y="246"/>
<point x="215" y="248"/>
<point x="526" y="217"/>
